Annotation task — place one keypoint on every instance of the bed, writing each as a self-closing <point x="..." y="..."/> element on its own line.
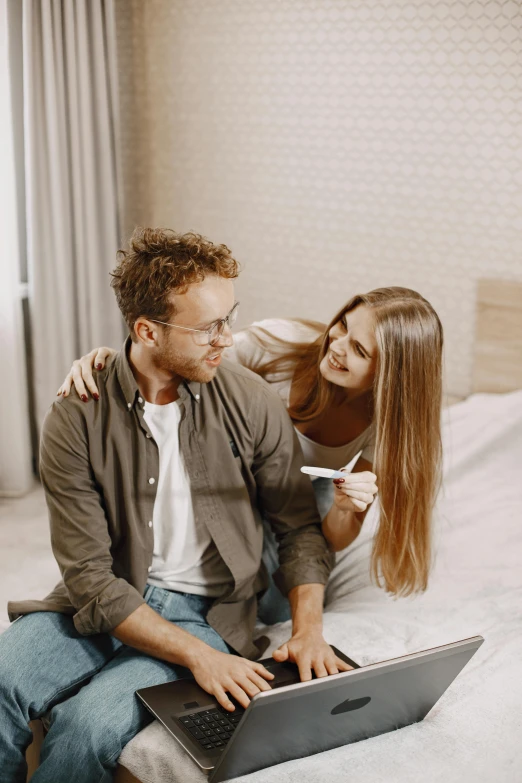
<point x="473" y="733"/>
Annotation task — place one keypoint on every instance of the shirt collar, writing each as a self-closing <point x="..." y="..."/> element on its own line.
<point x="190" y="388"/>
<point x="130" y="387"/>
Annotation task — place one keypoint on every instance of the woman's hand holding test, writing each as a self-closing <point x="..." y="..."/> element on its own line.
<point x="355" y="492"/>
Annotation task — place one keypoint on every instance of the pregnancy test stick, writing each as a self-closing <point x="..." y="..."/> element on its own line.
<point x="331" y="474"/>
<point x="322" y="472"/>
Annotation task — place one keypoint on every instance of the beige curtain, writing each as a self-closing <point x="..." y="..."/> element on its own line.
<point x="15" y="447"/>
<point x="70" y="116"/>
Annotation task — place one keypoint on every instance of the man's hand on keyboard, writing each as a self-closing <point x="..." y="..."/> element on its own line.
<point x="223" y="673"/>
<point x="308" y="649"/>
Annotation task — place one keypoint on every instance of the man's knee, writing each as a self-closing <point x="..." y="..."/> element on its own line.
<point x="96" y="728"/>
<point x="19" y="671"/>
<point x="35" y="672"/>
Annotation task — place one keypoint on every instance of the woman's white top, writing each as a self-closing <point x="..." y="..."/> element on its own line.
<point x="250" y="354"/>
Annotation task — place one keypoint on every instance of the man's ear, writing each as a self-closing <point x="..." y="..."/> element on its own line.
<point x="146" y="332"/>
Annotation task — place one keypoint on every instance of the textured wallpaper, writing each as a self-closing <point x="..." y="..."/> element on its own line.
<point x="334" y="146"/>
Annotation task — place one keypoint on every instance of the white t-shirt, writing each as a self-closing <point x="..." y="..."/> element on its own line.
<point x="250" y="354"/>
<point x="185" y="557"/>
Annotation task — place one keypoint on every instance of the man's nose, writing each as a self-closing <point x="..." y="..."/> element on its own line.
<point x="226" y="338"/>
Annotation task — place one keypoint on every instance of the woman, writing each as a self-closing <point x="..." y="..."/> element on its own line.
<point x="370" y="382"/>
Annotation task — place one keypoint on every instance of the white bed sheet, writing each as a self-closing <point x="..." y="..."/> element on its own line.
<point x="473" y="733"/>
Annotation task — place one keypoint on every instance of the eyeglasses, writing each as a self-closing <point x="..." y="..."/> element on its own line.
<point x="211" y="335"/>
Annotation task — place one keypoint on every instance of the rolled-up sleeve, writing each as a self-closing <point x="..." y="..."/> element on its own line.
<point x="287" y="498"/>
<point x="79" y="531"/>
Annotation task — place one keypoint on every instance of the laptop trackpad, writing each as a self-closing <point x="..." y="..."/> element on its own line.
<point x="287" y="673"/>
<point x="284" y="674"/>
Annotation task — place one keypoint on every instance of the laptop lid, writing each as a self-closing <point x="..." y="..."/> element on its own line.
<point x="307" y="718"/>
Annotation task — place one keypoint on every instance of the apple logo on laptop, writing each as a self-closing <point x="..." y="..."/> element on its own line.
<point x="348" y="705"/>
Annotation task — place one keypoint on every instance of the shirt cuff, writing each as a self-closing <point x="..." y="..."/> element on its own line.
<point x="315" y="571"/>
<point x="108" y="609"/>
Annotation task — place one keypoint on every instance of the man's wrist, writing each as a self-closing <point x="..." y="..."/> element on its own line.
<point x="307" y="629"/>
<point x="306" y="602"/>
<point x="194" y="654"/>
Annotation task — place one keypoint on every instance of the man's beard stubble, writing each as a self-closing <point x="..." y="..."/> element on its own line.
<point x="171" y="361"/>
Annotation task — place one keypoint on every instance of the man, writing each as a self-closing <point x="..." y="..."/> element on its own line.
<point x="154" y="493"/>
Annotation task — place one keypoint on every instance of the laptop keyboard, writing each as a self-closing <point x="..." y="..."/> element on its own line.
<point x="212" y="728"/>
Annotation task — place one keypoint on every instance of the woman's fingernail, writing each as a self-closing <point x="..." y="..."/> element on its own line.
<point x="98" y="366"/>
<point x="83" y="398"/>
<point x="338" y="481"/>
<point x="96" y="397"/>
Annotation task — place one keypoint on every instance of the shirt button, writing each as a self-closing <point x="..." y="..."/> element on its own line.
<point x="148" y="435"/>
<point x="140" y="399"/>
<point x="129" y="405"/>
<point x="197" y="397"/>
<point x="149" y="569"/>
<point x="150" y="523"/>
<point x="152" y="481"/>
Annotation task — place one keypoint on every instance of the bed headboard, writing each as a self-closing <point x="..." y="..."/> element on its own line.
<point x="497" y="363"/>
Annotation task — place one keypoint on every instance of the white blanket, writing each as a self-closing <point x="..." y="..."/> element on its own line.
<point x="474" y="732"/>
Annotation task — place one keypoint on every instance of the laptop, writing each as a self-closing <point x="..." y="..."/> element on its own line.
<point x="296" y="719"/>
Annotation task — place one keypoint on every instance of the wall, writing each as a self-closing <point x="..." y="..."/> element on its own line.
<point x="335" y="146"/>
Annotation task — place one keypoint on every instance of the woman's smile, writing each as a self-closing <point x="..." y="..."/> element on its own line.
<point x="334" y="364"/>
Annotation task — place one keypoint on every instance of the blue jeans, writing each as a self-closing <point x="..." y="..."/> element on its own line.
<point x="88" y="684"/>
<point x="274" y="607"/>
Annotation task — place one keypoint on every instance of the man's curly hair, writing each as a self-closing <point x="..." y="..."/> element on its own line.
<point x="160" y="261"/>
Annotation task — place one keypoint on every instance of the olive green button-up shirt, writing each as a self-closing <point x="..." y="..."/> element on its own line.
<point x="100" y="466"/>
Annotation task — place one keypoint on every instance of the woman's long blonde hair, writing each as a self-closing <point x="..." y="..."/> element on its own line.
<point x="407" y="398"/>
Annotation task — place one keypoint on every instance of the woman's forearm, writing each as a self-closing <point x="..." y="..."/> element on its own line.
<point x="340" y="528"/>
